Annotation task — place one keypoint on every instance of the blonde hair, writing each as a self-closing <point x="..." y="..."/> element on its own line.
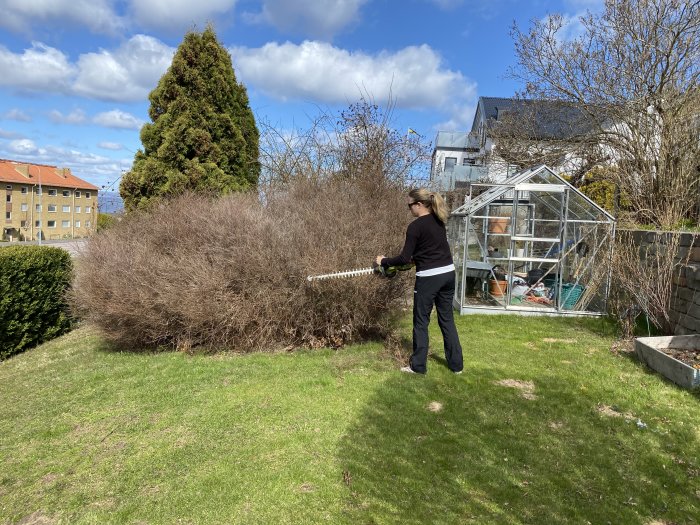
<point x="431" y="200"/>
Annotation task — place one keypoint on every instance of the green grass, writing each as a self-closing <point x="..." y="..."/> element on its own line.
<point x="93" y="436"/>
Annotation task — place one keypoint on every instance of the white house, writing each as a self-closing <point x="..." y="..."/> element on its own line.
<point x="461" y="157"/>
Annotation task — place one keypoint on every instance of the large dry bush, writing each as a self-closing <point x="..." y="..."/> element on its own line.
<point x="643" y="279"/>
<point x="231" y="272"/>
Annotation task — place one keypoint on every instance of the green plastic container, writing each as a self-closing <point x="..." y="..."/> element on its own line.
<point x="570" y="295"/>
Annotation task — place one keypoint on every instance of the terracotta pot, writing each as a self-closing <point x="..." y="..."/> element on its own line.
<point x="498" y="288"/>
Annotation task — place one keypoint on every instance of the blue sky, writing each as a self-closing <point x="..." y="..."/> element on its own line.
<point x="75" y="74"/>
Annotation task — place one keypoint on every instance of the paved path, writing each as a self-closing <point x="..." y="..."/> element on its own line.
<point x="72" y="246"/>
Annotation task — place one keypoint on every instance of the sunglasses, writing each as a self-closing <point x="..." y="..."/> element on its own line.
<point x="411" y="204"/>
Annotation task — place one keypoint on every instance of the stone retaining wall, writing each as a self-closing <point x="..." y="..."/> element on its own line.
<point x="685" y="305"/>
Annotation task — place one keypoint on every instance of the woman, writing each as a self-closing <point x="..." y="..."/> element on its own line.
<point x="426" y="245"/>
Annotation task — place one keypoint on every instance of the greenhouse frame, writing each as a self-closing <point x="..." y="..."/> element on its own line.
<point x="533" y="245"/>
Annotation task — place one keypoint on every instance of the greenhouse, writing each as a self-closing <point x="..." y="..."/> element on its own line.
<point x="532" y="245"/>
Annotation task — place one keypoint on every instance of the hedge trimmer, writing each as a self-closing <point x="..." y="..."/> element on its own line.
<point x="389" y="272"/>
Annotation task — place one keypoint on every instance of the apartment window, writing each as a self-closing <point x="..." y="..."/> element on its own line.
<point x="77" y="194"/>
<point x="66" y="193"/>
<point x="8" y="197"/>
<point x="52" y="224"/>
<point x="65" y="208"/>
<point x="87" y="194"/>
<point x="77" y="209"/>
<point x="65" y="224"/>
<point x="88" y="209"/>
<point x="450" y="163"/>
<point x="52" y="193"/>
<point x="37" y="207"/>
<point x="24" y="206"/>
<point x="77" y="224"/>
<point x="24" y="190"/>
<point x="52" y="208"/>
<point x="8" y="215"/>
<point x="37" y="224"/>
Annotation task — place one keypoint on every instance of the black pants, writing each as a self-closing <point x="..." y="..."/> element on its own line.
<point x="438" y="290"/>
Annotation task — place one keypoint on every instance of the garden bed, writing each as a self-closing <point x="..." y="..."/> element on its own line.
<point x="675" y="357"/>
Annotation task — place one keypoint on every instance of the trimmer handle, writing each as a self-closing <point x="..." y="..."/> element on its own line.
<point x="391" y="271"/>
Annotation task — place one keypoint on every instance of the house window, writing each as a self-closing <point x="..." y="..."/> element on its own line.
<point x="77" y="224"/>
<point x="66" y="193"/>
<point x="468" y="162"/>
<point x="65" y="208"/>
<point x="65" y="224"/>
<point x="8" y="198"/>
<point x="87" y="194"/>
<point x="37" y="207"/>
<point x="24" y="190"/>
<point x="77" y="194"/>
<point x="52" y="224"/>
<point x="450" y="163"/>
<point x="8" y="215"/>
<point x="77" y="209"/>
<point x="88" y="224"/>
<point x="24" y="206"/>
<point x="38" y="190"/>
<point x="88" y="209"/>
<point x="52" y="208"/>
<point x="22" y="224"/>
<point x="37" y="224"/>
<point x="8" y="187"/>
<point x="52" y="193"/>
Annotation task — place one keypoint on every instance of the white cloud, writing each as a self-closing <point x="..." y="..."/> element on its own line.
<point x="178" y="15"/>
<point x="77" y="116"/>
<point x="117" y="119"/>
<point x="16" y="114"/>
<point x="571" y="27"/>
<point x="462" y="116"/>
<point x="126" y="74"/>
<point x="97" y="15"/>
<point x="23" y="147"/>
<point x="414" y="77"/>
<point x="317" y="18"/>
<point x="4" y="134"/>
<point x="113" y="146"/>
<point x="41" y="68"/>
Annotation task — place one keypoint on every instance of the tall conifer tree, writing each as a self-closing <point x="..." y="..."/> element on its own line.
<point x="203" y="135"/>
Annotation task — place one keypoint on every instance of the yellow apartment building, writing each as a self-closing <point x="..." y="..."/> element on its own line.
<point x="46" y="201"/>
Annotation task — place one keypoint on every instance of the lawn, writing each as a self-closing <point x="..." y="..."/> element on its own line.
<point x="546" y="425"/>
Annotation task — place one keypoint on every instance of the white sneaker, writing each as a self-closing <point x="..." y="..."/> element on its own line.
<point x="408" y="370"/>
<point x="457" y="373"/>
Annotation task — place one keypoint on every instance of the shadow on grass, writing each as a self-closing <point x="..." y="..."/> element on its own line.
<point x="486" y="454"/>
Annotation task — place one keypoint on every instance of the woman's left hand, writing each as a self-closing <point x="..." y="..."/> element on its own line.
<point x="378" y="260"/>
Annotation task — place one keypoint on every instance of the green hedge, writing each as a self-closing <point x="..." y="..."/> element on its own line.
<point x="33" y="284"/>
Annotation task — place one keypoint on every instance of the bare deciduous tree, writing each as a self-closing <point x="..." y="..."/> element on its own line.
<point x="633" y="72"/>
<point x="359" y="143"/>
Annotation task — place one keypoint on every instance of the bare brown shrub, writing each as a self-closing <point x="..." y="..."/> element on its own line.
<point x="643" y="279"/>
<point x="231" y="272"/>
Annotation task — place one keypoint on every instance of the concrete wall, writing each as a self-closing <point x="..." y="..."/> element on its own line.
<point x="685" y="305"/>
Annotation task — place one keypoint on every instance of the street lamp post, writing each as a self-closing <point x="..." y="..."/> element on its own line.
<point x="40" y="209"/>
